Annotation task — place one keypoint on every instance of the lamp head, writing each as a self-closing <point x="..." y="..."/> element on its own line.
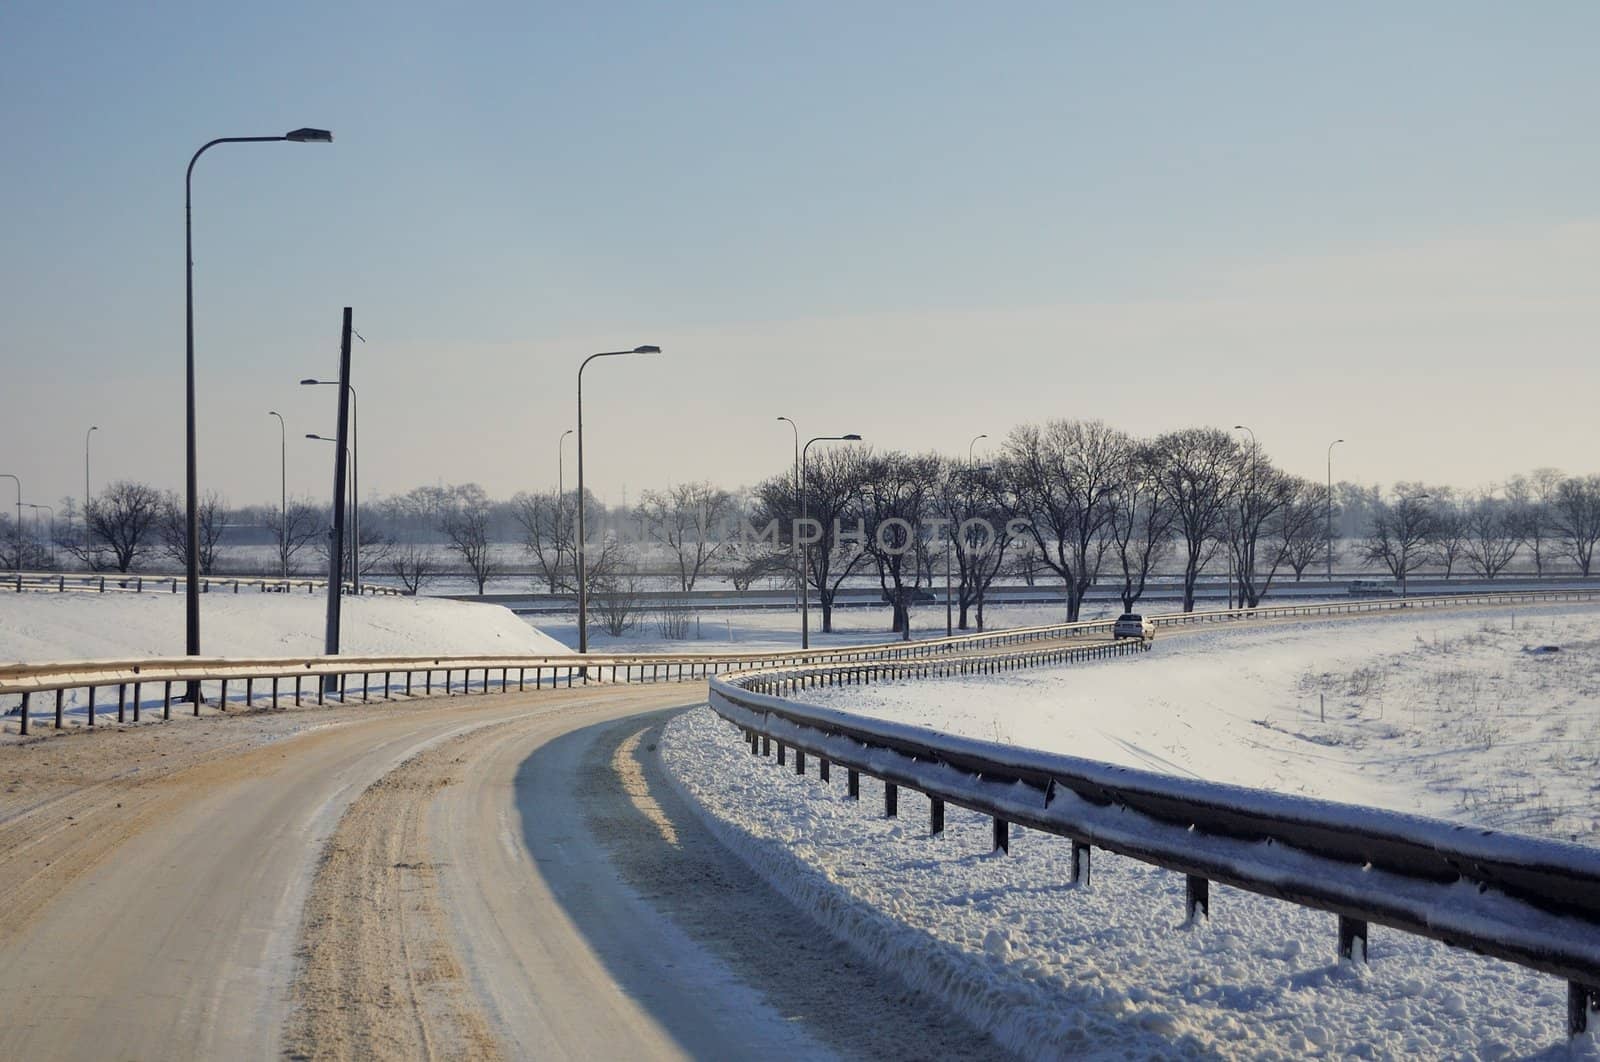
<point x="851" y="437"/>
<point x="647" y="350"/>
<point x="309" y="382"/>
<point x="313" y="435"/>
<point x="309" y="136"/>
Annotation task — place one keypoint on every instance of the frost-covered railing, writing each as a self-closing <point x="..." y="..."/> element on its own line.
<point x="1529" y="901"/>
<point x="141" y="583"/>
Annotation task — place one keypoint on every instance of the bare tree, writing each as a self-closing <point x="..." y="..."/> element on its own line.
<point x="1531" y="500"/>
<point x="20" y="551"/>
<point x="834" y="481"/>
<point x="1199" y="475"/>
<point x="1300" y="533"/>
<point x="1400" y="536"/>
<point x="414" y="565"/>
<point x="616" y="591"/>
<point x="548" y="521"/>
<point x="1492" y="539"/>
<point x="1063" y="478"/>
<point x="1575" y="518"/>
<point x="977" y="525"/>
<point x="466" y="530"/>
<point x="1449" y="535"/>
<point x="300" y="527"/>
<point x="1140" y="522"/>
<point x="122" y="521"/>
<point x="688" y="519"/>
<point x="212" y="514"/>
<point x="896" y="495"/>
<point x="1260" y="495"/>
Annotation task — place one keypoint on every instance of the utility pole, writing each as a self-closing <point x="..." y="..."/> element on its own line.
<point x="336" y="548"/>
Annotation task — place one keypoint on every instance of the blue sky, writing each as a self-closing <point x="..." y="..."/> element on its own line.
<point x="917" y="221"/>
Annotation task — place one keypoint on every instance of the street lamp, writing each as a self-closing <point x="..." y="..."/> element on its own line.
<point x="192" y="590"/>
<point x="92" y="429"/>
<point x="355" y="477"/>
<point x="283" y="492"/>
<point x="13" y="478"/>
<point x="970" y="445"/>
<point x="794" y="545"/>
<point x="1331" y="445"/>
<point x="805" y="556"/>
<point x="583" y="575"/>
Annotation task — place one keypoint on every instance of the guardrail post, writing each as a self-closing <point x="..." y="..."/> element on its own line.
<point x="799" y="760"/>
<point x="522" y="679"/>
<point x="766" y="745"/>
<point x="222" y="697"/>
<point x="166" y="701"/>
<point x="1080" y="863"/>
<point x="891" y="800"/>
<point x="274" y="691"/>
<point x="781" y="754"/>
<point x="386" y="685"/>
<point x="935" y="816"/>
<point x="136" y="687"/>
<point x="1196" y="898"/>
<point x="853" y="783"/>
<point x="408" y="683"/>
<point x="250" y="691"/>
<point x="364" y="696"/>
<point x="822" y="768"/>
<point x="1352" y="940"/>
<point x="122" y="698"/>
<point x="24" y="711"/>
<point x="1002" y="835"/>
<point x="59" y="694"/>
<point x="1581" y="999"/>
<point x="91" y="706"/>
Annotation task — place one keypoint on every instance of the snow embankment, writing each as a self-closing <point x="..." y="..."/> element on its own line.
<point x="47" y="627"/>
<point x="1443" y="713"/>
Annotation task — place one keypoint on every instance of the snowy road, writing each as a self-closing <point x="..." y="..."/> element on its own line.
<point x="162" y="882"/>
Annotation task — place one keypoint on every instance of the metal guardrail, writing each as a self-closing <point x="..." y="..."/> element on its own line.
<point x="1532" y="902"/>
<point x="1529" y="901"/>
<point x="28" y="680"/>
<point x="138" y="583"/>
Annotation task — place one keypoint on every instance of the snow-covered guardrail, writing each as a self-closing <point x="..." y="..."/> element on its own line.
<point x="140" y="583"/>
<point x="1530" y="901"/>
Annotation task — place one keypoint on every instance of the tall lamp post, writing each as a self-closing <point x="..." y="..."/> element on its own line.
<point x="970" y="445"/>
<point x="794" y="544"/>
<point x="13" y="478"/>
<point x="805" y="554"/>
<point x="583" y="574"/>
<point x="1331" y="445"/>
<point x="355" y="478"/>
<point x="283" y="492"/>
<point x="86" y="495"/>
<point x="191" y="485"/>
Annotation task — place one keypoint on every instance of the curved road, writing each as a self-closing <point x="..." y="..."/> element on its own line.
<point x="407" y="880"/>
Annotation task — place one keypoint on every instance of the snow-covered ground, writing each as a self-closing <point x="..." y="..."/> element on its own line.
<point x="751" y="629"/>
<point x="37" y="627"/>
<point x="1441" y="713"/>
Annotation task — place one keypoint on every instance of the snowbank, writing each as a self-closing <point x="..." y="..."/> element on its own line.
<point x="1440" y="713"/>
<point x="38" y="627"/>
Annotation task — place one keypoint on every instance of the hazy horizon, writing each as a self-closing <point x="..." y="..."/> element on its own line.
<point x="917" y="223"/>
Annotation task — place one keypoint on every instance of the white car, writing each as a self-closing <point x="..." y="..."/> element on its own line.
<point x="1133" y="625"/>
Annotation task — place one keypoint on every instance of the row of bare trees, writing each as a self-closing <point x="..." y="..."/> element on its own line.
<point x="1549" y="515"/>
